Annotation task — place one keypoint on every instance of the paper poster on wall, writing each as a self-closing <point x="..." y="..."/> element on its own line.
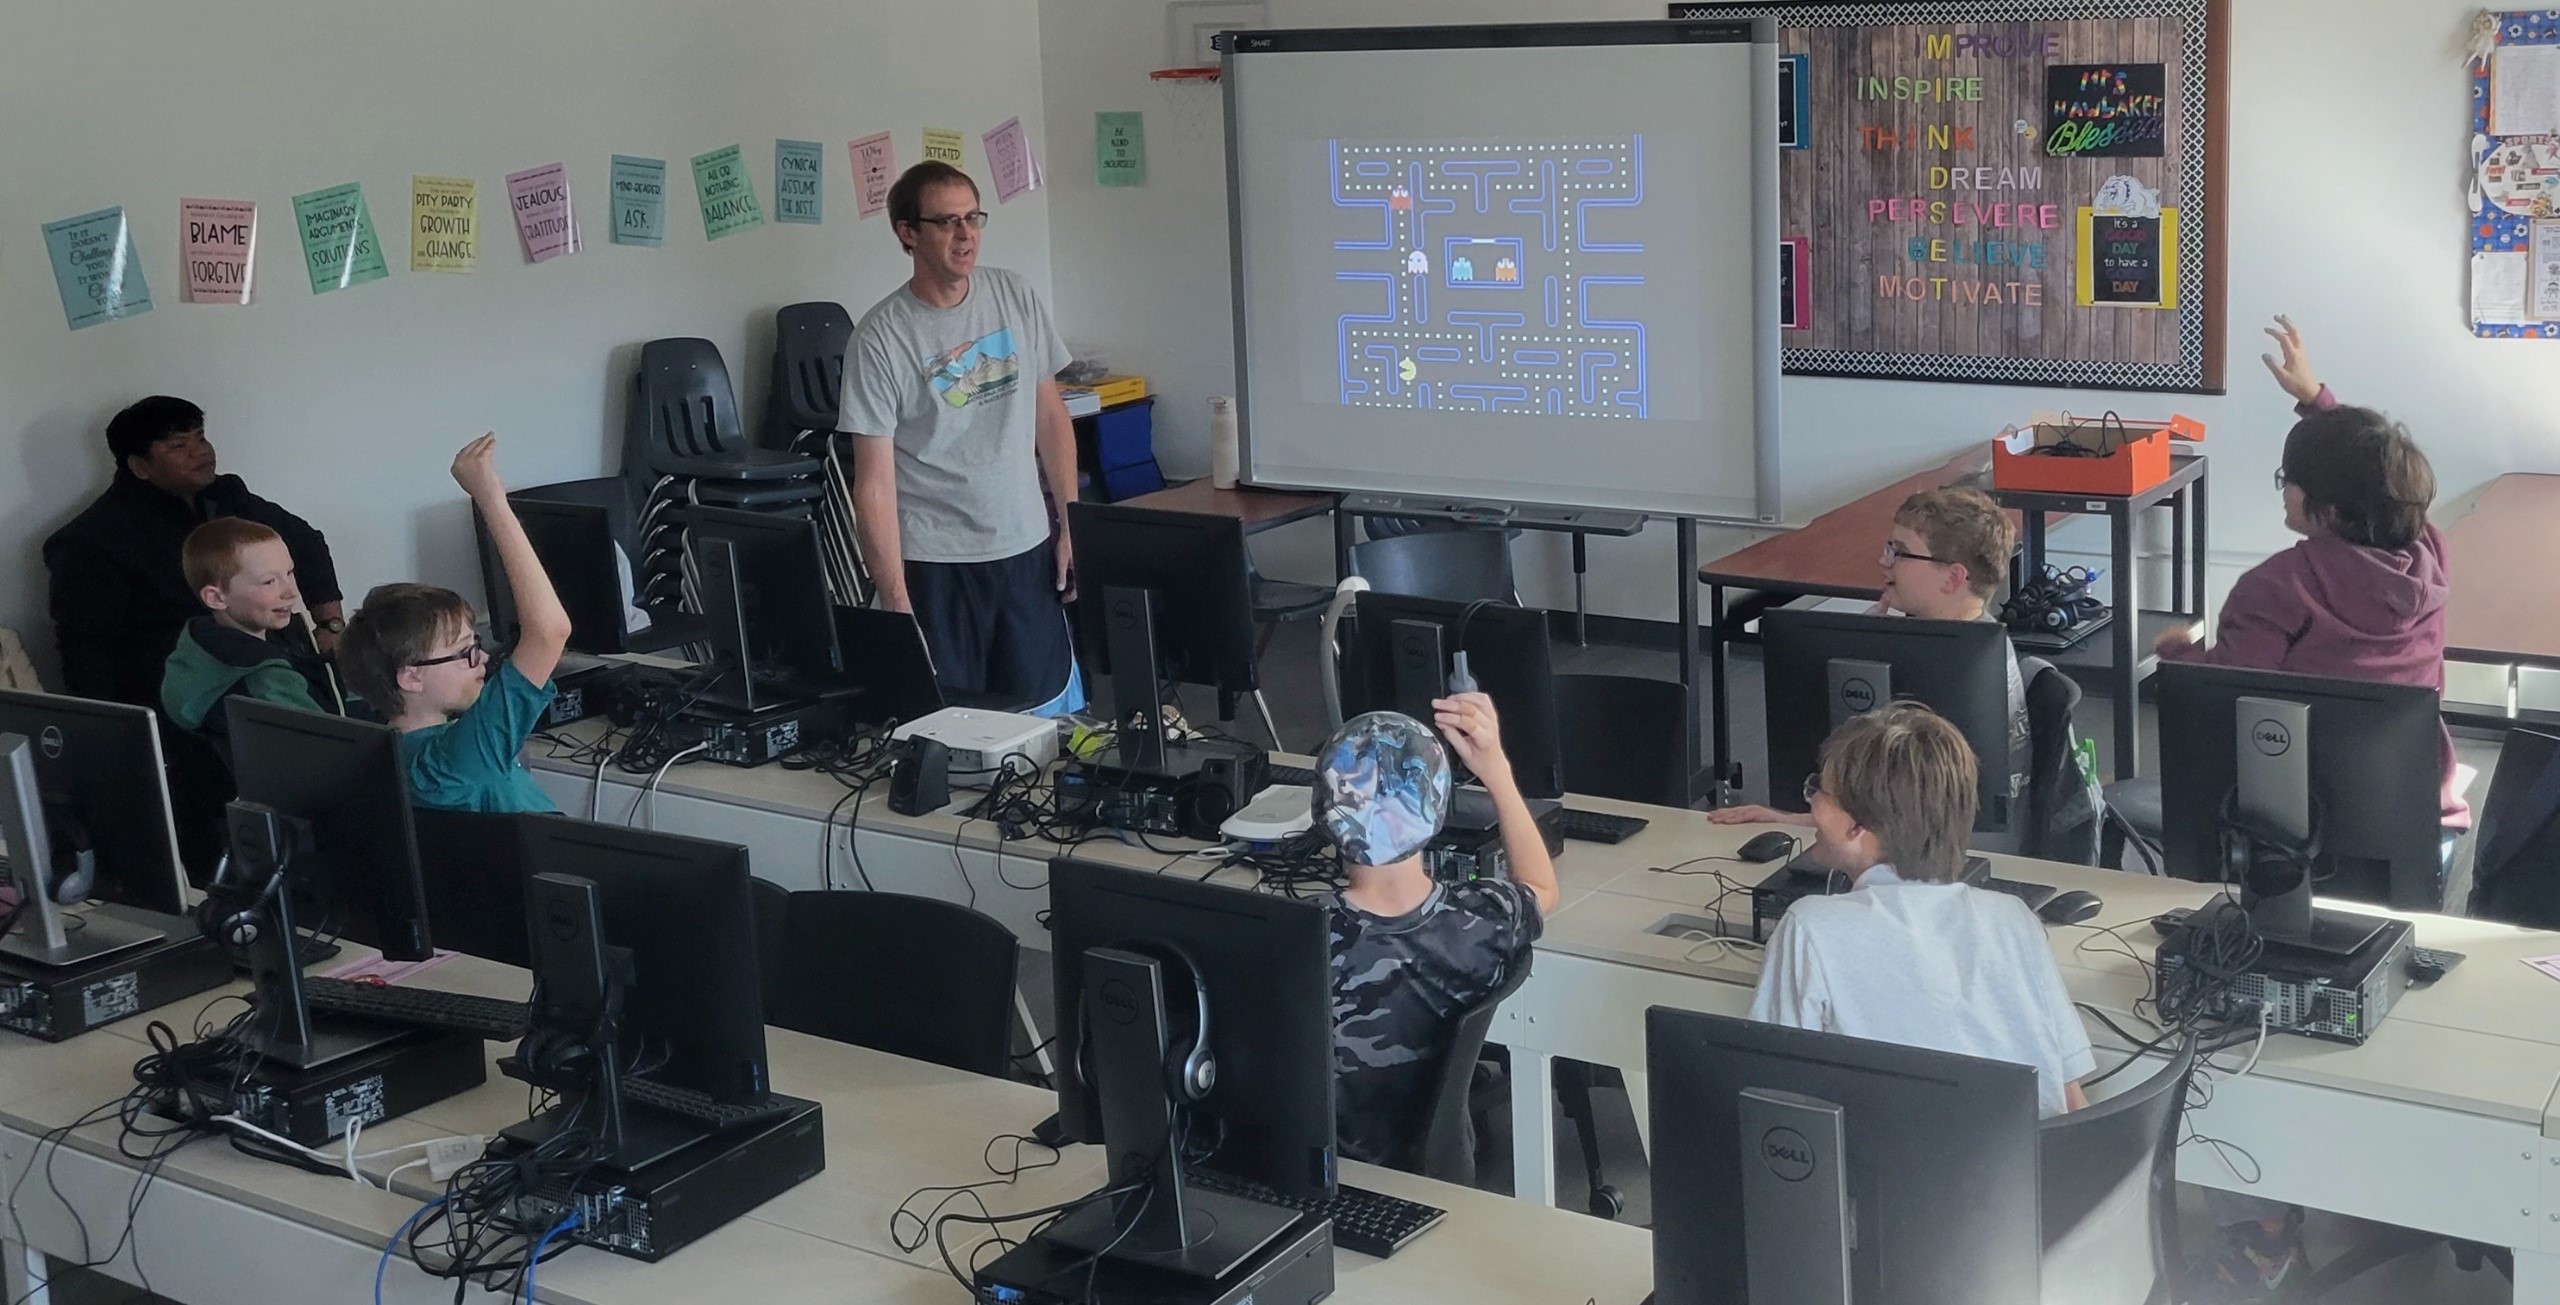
<point x="639" y="201"/>
<point x="96" y="269"/>
<point x="2102" y="110"/>
<point x="1795" y="101"/>
<point x="444" y="224"/>
<point x="2498" y="287"/>
<point x="2127" y="261"/>
<point x="1795" y="293"/>
<point x="942" y="145"/>
<point x="874" y="171"/>
<point x="546" y="224"/>
<point x="218" y="243"/>
<point x="727" y="195"/>
<point x="2524" y="91"/>
<point x="1009" y="157"/>
<point x="2521" y="176"/>
<point x="799" y="182"/>
<point x="1119" y="149"/>
<point x="339" y="247"/>
<point x="2542" y="288"/>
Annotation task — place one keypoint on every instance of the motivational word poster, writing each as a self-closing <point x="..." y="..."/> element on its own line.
<point x="218" y="242"/>
<point x="874" y="171"/>
<point x="444" y="224"/>
<point x="639" y="201"/>
<point x="339" y="247"/>
<point x="727" y="194"/>
<point x="96" y="269"/>
<point x="546" y="224"/>
<point x="799" y="182"/>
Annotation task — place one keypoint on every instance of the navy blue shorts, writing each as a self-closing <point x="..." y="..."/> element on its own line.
<point x="996" y="629"/>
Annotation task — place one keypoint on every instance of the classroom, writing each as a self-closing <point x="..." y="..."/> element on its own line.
<point x="1616" y="651"/>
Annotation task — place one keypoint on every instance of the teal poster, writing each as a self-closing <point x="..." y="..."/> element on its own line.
<point x="1119" y="149"/>
<point x="339" y="248"/>
<point x="95" y="267"/>
<point x="639" y="201"/>
<point x="799" y="185"/>
<point x="727" y="195"/>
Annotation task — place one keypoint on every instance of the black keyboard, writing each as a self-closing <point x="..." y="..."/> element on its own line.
<point x="2034" y="895"/>
<point x="700" y="1108"/>
<point x="1372" y="1223"/>
<point x="1597" y="826"/>
<point x="1279" y="776"/>
<point x="487" y="1017"/>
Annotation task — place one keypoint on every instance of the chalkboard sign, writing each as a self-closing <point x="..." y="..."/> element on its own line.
<point x="2006" y="191"/>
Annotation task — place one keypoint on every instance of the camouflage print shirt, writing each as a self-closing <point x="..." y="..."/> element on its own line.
<point x="1399" y="984"/>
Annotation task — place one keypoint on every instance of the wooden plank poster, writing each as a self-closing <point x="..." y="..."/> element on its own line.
<point x="2007" y="191"/>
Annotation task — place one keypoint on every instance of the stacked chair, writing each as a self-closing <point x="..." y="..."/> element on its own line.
<point x="800" y="418"/>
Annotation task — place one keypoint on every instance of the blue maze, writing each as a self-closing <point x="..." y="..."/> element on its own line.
<point x="1478" y="277"/>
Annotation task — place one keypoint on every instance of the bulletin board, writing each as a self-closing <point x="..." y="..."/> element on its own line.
<point x="2018" y="192"/>
<point x="2515" y="175"/>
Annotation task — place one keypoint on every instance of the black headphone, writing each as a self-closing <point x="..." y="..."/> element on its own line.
<point x="2252" y="853"/>
<point x="224" y="918"/>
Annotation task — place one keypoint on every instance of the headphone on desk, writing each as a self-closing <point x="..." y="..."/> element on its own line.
<point x="2269" y="861"/>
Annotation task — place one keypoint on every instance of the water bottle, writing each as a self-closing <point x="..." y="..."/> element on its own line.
<point x="1223" y="452"/>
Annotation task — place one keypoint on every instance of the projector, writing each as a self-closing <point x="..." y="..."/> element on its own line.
<point x="984" y="743"/>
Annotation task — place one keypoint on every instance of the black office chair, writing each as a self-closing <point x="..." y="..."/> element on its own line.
<point x="808" y="372"/>
<point x="2131" y="837"/>
<point x="1621" y="737"/>
<point x="2061" y="817"/>
<point x="2515" y="860"/>
<point x="684" y="426"/>
<point x="1444" y="1142"/>
<point x="1457" y="565"/>
<point x="2110" y="1185"/>
<point x="772" y="903"/>
<point x="897" y="973"/>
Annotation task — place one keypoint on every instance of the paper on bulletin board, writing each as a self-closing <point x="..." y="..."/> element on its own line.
<point x="546" y="223"/>
<point x="1119" y="149"/>
<point x="218" y="242"/>
<point x="2126" y="261"/>
<point x="2498" y="280"/>
<point x="96" y="268"/>
<point x="2524" y="91"/>
<point x="1009" y="157"/>
<point x="339" y="247"/>
<point x="2542" y="284"/>
<point x="942" y="145"/>
<point x="444" y="224"/>
<point x="639" y="201"/>
<point x="799" y="182"/>
<point x="727" y="196"/>
<point x="874" y="170"/>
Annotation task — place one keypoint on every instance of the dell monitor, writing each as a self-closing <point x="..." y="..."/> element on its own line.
<point x="1821" y="668"/>
<point x="2263" y="771"/>
<point x="105" y="793"/>
<point x="1192" y="1018"/>
<point x="1406" y="648"/>
<point x="580" y="548"/>
<point x="762" y="584"/>
<point x="1797" y="1166"/>
<point x="48" y="876"/>
<point x="1163" y="598"/>
<point x="472" y="864"/>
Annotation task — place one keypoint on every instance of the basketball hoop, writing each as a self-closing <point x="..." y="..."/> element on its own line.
<point x="1206" y="73"/>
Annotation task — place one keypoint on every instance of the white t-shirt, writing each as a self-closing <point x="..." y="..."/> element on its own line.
<point x="1943" y="966"/>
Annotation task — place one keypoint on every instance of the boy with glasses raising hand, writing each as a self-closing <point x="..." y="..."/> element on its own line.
<point x="413" y="654"/>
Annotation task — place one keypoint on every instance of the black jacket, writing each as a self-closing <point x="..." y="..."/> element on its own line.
<point x="119" y="596"/>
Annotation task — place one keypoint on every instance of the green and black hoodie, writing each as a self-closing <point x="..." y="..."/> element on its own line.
<point x="214" y="662"/>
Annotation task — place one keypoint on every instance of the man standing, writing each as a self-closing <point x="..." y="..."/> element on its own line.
<point x="950" y="390"/>
<point x="119" y="592"/>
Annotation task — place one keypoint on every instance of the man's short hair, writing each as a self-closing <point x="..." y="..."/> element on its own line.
<point x="906" y="194"/>
<point x="1964" y="525"/>
<point x="132" y="432"/>
<point x="211" y="555"/>
<point x="1907" y="776"/>
<point x="2361" y="476"/>
<point x="399" y="624"/>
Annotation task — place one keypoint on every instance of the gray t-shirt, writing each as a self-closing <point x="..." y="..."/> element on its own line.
<point x="959" y="390"/>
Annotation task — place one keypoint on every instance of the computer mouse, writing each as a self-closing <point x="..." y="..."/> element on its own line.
<point x="1767" y="847"/>
<point x="2070" y="907"/>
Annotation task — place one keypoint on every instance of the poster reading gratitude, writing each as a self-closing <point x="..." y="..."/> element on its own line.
<point x="728" y="198"/>
<point x="218" y="241"/>
<point x="639" y="201"/>
<point x="545" y="223"/>
<point x="339" y="247"/>
<point x="96" y="269"/>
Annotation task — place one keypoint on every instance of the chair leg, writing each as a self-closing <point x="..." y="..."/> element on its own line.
<point x="1270" y="726"/>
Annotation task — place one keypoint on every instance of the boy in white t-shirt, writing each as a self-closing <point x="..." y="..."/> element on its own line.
<point x="1909" y="955"/>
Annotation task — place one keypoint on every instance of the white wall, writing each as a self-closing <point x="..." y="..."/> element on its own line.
<point x="2347" y="136"/>
<point x="347" y="407"/>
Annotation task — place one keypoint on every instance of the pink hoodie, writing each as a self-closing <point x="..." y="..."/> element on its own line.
<point x="2329" y="607"/>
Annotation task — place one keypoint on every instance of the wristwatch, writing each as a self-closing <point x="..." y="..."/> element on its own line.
<point x="334" y="624"/>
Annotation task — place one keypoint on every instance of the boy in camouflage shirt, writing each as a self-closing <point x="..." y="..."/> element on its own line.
<point x="1411" y="955"/>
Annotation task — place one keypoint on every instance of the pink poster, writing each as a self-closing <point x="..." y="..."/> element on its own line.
<point x="544" y="220"/>
<point x="1009" y="156"/>
<point x="218" y="242"/>
<point x="873" y="170"/>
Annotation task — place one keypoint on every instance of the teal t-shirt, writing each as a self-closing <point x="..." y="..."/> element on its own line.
<point x="473" y="762"/>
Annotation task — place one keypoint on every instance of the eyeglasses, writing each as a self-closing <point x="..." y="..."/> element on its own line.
<point x="1895" y="553"/>
<point x="949" y="222"/>
<point x="472" y="655"/>
<point x="2281" y="480"/>
<point x="1812" y="786"/>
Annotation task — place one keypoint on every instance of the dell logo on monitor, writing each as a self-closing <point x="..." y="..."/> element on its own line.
<point x="1787" y="1154"/>
<point x="50" y="741"/>
<point x="1119" y="1002"/>
<point x="1858" y="695"/>
<point x="2272" y="738"/>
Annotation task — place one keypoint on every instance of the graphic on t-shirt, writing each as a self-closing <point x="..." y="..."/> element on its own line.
<point x="985" y="368"/>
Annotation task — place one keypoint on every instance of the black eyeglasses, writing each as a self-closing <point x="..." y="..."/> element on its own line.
<point x="1894" y="553"/>
<point x="1812" y="786"/>
<point x="976" y="221"/>
<point x="472" y="655"/>
<point x="2281" y="482"/>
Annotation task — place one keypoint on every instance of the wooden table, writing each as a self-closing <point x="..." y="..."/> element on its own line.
<point x="2489" y="616"/>
<point x="1258" y="509"/>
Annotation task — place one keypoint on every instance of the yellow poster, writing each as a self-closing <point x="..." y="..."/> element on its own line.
<point x="943" y="145"/>
<point x="444" y="224"/>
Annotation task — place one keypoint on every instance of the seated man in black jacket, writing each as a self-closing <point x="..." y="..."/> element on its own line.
<point x="120" y="594"/>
